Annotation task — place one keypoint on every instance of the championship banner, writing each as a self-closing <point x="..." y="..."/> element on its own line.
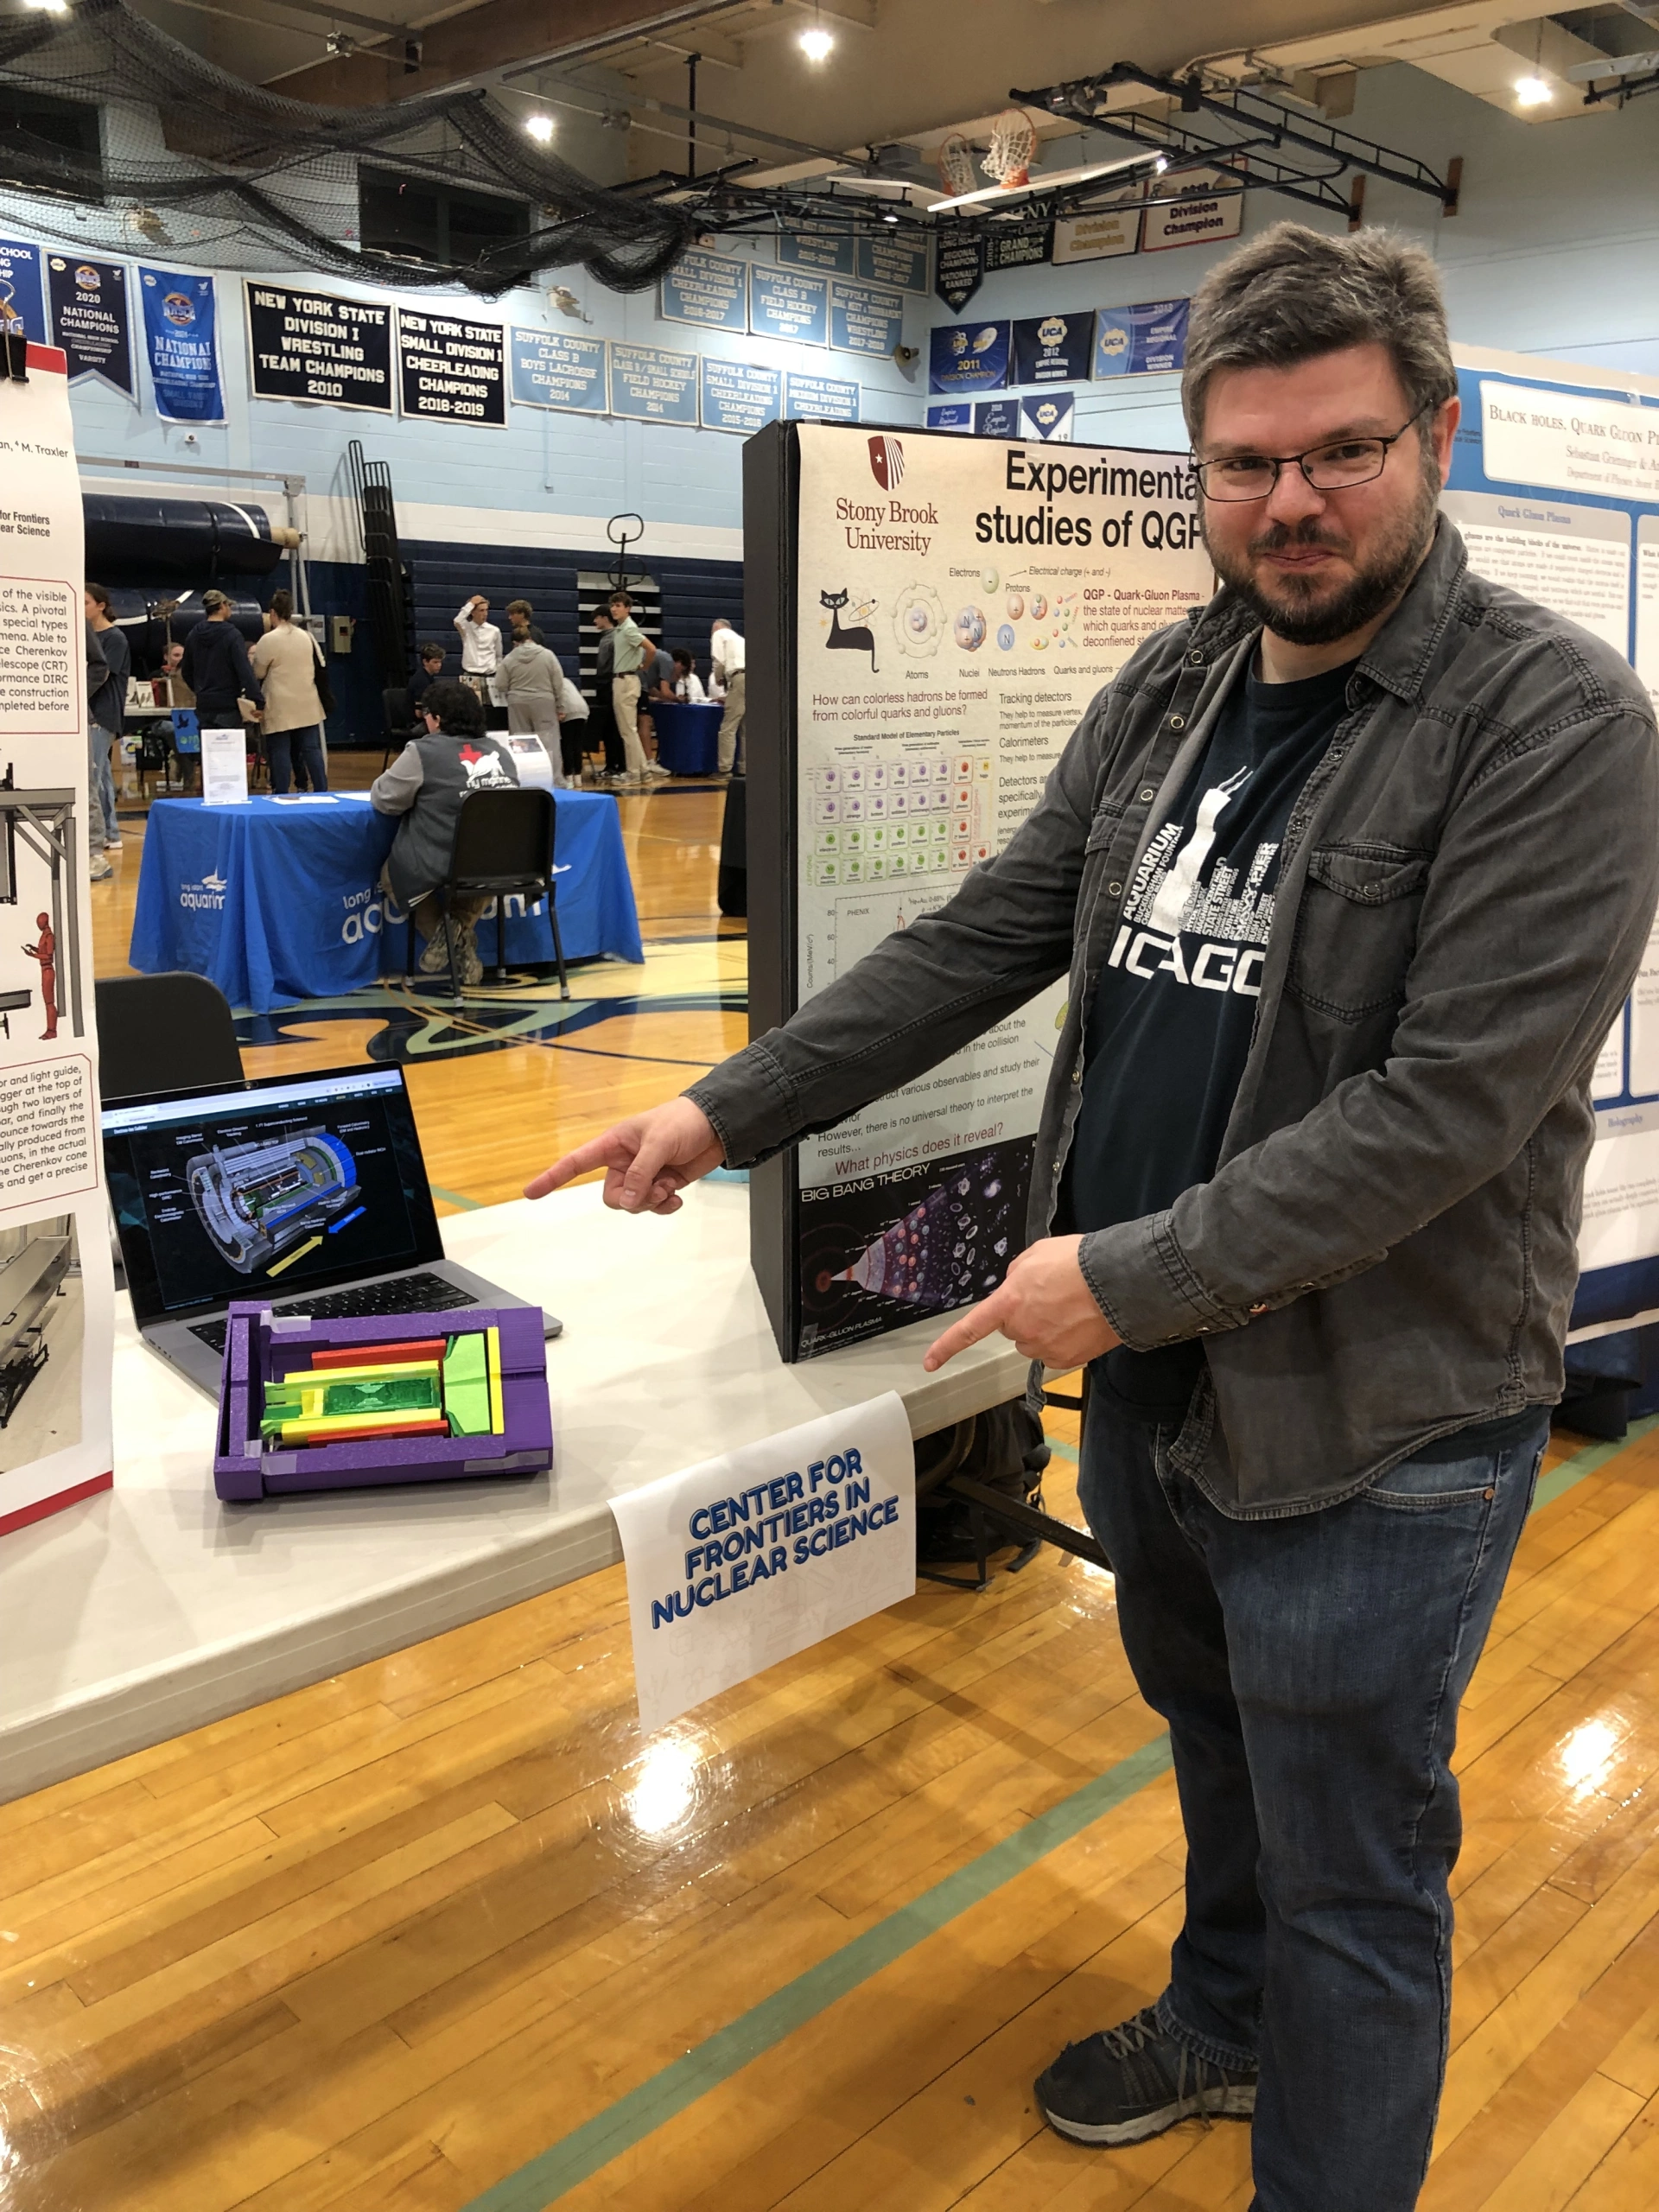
<point x="181" y="340"/>
<point x="317" y="347"/>
<point x="57" y="1298"/>
<point x="20" y="290"/>
<point x="89" y="320"/>
<point x="929" y="617"/>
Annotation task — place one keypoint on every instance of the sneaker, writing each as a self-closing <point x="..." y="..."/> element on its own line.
<point x="435" y="955"/>
<point x="1131" y="2081"/>
<point x="652" y="769"/>
<point x="113" y="844"/>
<point x="100" y="871"/>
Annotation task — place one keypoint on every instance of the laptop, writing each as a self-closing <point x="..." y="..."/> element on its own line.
<point x="310" y="1190"/>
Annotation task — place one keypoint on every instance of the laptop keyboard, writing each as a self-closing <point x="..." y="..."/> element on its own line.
<point x="406" y="1295"/>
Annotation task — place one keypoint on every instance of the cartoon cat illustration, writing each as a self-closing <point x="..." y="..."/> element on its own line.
<point x="840" y="640"/>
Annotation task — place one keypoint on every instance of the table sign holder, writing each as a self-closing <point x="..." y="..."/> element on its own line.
<point x="225" y="766"/>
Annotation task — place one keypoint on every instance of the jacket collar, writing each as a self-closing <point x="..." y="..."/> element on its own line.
<point x="1400" y="655"/>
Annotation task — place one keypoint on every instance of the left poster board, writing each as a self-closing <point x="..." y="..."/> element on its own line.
<point x="929" y="617"/>
<point x="56" y="1294"/>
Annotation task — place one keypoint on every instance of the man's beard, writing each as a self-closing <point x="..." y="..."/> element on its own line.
<point x="1302" y="611"/>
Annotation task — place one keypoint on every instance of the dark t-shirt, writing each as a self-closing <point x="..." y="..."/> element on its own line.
<point x="1169" y="1030"/>
<point x="110" y="699"/>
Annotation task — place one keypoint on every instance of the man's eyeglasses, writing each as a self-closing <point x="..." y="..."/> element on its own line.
<point x="1334" y="467"/>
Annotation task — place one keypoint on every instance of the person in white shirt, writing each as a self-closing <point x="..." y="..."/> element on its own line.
<point x="481" y="645"/>
<point x="726" y="650"/>
<point x="688" y="684"/>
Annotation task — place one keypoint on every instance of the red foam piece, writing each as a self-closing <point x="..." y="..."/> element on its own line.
<point x="417" y="1424"/>
<point x="404" y="1354"/>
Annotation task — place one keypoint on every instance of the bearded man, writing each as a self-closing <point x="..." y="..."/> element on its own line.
<point x="1351" y="872"/>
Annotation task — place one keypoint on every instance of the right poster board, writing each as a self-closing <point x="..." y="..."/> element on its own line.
<point x="929" y="617"/>
<point x="1554" y="484"/>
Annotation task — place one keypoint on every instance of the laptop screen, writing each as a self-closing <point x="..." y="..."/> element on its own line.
<point x="290" y="1185"/>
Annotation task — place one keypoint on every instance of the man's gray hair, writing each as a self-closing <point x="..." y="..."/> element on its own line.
<point x="1294" y="293"/>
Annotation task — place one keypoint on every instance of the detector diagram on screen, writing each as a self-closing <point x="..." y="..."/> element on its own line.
<point x="264" y="1204"/>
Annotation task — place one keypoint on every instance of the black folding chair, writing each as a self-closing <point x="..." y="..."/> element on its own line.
<point x="163" y="1033"/>
<point x="398" y="720"/>
<point x="503" y="844"/>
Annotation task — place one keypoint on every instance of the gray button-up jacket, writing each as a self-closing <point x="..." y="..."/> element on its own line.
<point x="1387" y="1251"/>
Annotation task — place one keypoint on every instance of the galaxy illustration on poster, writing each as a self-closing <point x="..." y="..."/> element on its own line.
<point x="958" y="602"/>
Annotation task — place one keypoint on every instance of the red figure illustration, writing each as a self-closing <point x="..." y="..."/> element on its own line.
<point x="46" y="951"/>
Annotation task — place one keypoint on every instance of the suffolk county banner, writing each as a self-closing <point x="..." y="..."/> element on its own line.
<point x="89" y="320"/>
<point x="181" y="341"/>
<point x="57" y="1300"/>
<point x="947" y="608"/>
<point x="1555" y="485"/>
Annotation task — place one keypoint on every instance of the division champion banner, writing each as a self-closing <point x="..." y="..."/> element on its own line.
<point x="944" y="609"/>
<point x="181" y="341"/>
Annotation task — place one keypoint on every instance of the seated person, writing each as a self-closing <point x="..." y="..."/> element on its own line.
<point x="430" y="670"/>
<point x="688" y="684"/>
<point x="426" y="784"/>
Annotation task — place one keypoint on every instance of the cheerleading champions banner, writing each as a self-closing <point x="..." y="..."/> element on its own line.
<point x="181" y="341"/>
<point x="934" y="614"/>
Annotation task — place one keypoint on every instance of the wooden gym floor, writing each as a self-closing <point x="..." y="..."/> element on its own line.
<point x="447" y="1933"/>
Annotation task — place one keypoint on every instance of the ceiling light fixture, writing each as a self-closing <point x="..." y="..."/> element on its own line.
<point x="1534" y="92"/>
<point x="540" y="127"/>
<point x="48" y="7"/>
<point x="817" y="44"/>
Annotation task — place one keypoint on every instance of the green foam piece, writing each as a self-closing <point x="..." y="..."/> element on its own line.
<point x="466" y="1385"/>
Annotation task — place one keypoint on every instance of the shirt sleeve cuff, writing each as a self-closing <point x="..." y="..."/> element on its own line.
<point x="1141" y="1282"/>
<point x="751" y="1106"/>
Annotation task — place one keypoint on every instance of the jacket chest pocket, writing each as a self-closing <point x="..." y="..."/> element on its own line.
<point x="1357" y="928"/>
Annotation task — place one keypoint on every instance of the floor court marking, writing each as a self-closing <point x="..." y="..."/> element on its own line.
<point x="642" y="2111"/>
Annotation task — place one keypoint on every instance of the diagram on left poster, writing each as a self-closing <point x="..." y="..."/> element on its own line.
<point x="56" y="1293"/>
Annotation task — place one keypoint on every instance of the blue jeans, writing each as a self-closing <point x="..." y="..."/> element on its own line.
<point x="1310" y="1668"/>
<point x="103" y="778"/>
<point x="280" y="747"/>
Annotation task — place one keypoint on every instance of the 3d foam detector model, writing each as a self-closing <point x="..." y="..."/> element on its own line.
<point x="410" y="1397"/>
<point x="254" y="1200"/>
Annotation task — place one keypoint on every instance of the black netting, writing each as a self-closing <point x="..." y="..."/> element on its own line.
<point x="219" y="170"/>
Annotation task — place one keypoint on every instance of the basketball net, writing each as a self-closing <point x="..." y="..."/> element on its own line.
<point x="956" y="164"/>
<point x="1013" y="141"/>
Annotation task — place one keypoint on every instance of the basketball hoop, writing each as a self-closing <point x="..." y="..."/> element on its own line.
<point x="956" y="165"/>
<point x="1013" y="141"/>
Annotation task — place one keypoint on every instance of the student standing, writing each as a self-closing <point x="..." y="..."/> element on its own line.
<point x="287" y="661"/>
<point x="629" y="654"/>
<point x="106" y="707"/>
<point x="727" y="653"/>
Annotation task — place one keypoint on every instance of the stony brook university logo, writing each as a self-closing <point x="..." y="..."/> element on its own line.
<point x="888" y="462"/>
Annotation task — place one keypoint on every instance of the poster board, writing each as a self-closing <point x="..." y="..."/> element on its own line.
<point x="57" y="1298"/>
<point x="929" y="615"/>
<point x="1554" y="484"/>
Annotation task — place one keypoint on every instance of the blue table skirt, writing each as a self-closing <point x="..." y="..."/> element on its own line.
<point x="687" y="737"/>
<point x="277" y="904"/>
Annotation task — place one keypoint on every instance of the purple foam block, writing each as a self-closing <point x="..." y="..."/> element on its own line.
<point x="260" y="1348"/>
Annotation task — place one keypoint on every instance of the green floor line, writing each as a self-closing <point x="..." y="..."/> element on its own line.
<point x="1550" y="1486"/>
<point x="454" y="1199"/>
<point x="570" y="2161"/>
<point x="642" y="2111"/>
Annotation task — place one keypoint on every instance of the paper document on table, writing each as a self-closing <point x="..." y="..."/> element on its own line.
<point x="305" y="798"/>
<point x="224" y="767"/>
<point x="743" y="1560"/>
